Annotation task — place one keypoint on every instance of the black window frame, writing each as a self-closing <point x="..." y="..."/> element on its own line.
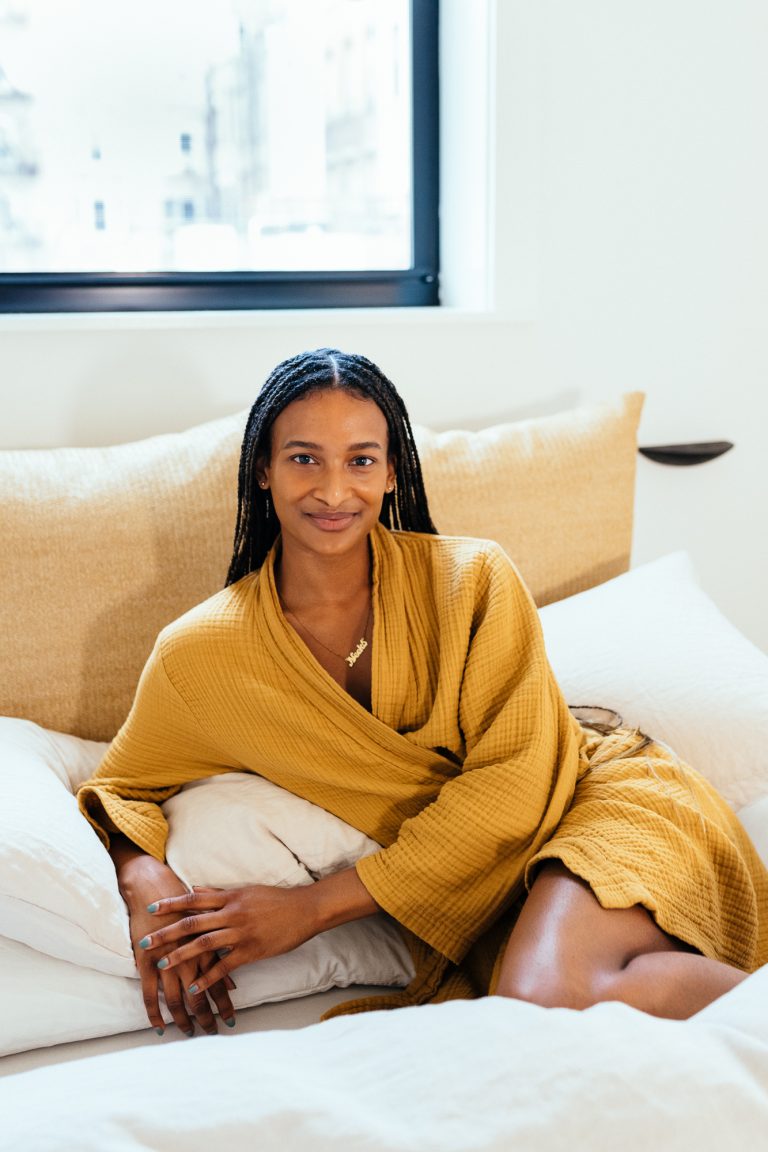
<point x="417" y="286"/>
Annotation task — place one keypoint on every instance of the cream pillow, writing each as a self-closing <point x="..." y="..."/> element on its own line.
<point x="237" y="829"/>
<point x="556" y="492"/>
<point x="104" y="546"/>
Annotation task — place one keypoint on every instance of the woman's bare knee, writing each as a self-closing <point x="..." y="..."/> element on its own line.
<point x="548" y="990"/>
<point x="566" y="951"/>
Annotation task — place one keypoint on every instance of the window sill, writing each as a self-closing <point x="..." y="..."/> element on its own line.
<point x="437" y="317"/>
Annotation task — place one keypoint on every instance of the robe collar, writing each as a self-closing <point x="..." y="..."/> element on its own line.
<point x="390" y="654"/>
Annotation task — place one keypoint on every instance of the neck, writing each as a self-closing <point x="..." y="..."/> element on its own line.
<point x="306" y="579"/>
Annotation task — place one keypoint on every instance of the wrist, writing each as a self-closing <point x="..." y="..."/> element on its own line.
<point x="138" y="872"/>
<point x="340" y="898"/>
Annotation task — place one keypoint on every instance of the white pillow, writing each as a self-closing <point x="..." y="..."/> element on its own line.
<point x="58" y="891"/>
<point x="238" y="829"/>
<point x="755" y="819"/>
<point x="652" y="645"/>
<point x="48" y="1001"/>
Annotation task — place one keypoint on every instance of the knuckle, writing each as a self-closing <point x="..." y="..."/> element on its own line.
<point x="189" y="923"/>
<point x="174" y="1003"/>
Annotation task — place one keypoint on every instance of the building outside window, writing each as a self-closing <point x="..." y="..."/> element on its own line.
<point x="251" y="140"/>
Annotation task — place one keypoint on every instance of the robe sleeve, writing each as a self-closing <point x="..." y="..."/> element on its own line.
<point x="458" y="864"/>
<point x="160" y="747"/>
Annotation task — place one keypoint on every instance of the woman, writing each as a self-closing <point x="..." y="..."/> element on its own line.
<point x="399" y="679"/>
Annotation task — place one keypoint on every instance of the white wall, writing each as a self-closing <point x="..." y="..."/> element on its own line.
<point x="604" y="229"/>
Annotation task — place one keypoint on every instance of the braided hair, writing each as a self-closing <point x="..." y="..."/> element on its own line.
<point x="257" y="527"/>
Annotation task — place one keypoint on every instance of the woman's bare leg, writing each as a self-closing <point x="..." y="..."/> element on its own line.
<point x="567" y="951"/>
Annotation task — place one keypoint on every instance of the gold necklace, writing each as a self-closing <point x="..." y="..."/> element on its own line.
<point x="356" y="652"/>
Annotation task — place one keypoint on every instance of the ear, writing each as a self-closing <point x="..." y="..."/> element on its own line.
<point x="262" y="472"/>
<point x="391" y="471"/>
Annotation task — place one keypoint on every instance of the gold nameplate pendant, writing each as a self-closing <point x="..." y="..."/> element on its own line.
<point x="353" y="657"/>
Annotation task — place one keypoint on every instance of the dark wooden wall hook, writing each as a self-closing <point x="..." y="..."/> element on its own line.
<point x="685" y="454"/>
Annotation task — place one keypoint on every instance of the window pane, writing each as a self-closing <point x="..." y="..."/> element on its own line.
<point x="178" y="135"/>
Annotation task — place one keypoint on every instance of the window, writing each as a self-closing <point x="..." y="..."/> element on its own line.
<point x="248" y="154"/>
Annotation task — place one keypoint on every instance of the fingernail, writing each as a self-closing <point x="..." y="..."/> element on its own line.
<point x="230" y="1023"/>
<point x="152" y="907"/>
<point x="163" y="963"/>
<point x="192" y="988"/>
<point x="145" y="943"/>
<point x="190" y="1033"/>
<point x="160" y="1031"/>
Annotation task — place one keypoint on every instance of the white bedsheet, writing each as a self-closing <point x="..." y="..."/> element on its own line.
<point x="483" y="1075"/>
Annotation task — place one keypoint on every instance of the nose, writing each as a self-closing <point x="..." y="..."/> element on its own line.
<point x="332" y="487"/>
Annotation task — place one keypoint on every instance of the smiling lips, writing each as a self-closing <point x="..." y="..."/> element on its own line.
<point x="331" y="521"/>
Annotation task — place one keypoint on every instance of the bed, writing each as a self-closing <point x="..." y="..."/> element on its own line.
<point x="647" y="642"/>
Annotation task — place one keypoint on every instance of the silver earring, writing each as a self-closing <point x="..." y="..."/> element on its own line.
<point x="266" y="508"/>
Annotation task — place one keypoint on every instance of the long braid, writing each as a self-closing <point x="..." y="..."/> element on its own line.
<point x="257" y="527"/>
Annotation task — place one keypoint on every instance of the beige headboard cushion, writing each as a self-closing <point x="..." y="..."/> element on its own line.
<point x="556" y="492"/>
<point x="101" y="547"/>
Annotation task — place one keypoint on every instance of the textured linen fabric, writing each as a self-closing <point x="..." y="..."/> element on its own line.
<point x="117" y="542"/>
<point x="463" y="771"/>
<point x="102" y="547"/>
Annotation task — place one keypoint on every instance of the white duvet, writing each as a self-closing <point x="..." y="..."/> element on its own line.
<point x="468" y="1075"/>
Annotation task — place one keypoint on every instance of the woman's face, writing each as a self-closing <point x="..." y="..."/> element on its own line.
<point x="329" y="471"/>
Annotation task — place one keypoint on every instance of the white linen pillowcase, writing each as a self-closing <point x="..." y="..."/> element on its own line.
<point x="652" y="645"/>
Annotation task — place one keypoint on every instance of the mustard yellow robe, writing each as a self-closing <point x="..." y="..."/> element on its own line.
<point x="469" y="768"/>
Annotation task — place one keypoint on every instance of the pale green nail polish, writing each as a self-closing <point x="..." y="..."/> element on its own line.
<point x="192" y="988"/>
<point x="230" y="1023"/>
<point x="160" y="1031"/>
<point x="163" y="963"/>
<point x="152" y="907"/>
<point x="145" y="942"/>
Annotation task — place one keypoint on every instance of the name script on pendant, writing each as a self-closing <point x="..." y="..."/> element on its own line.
<point x="353" y="657"/>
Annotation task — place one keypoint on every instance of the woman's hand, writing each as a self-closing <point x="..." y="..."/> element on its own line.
<point x="141" y="879"/>
<point x="245" y="924"/>
<point x="184" y="1007"/>
<point x="253" y="923"/>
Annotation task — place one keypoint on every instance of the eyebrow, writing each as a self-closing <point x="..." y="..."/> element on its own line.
<point x="364" y="444"/>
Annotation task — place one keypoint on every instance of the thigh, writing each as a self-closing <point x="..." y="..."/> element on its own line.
<point x="566" y="948"/>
